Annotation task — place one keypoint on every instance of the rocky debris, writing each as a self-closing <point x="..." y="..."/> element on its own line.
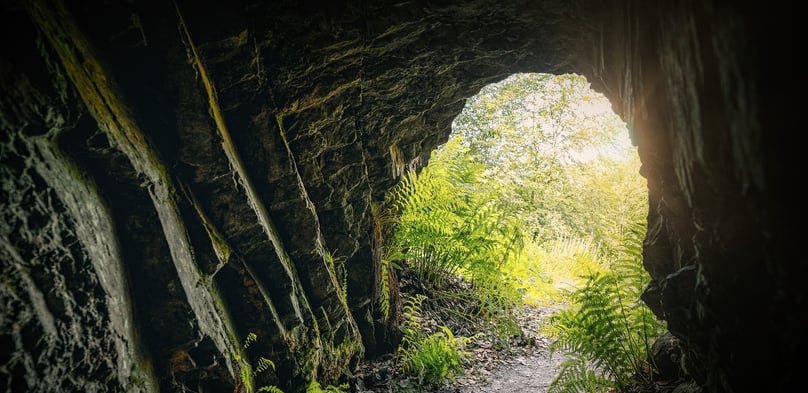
<point x="675" y="368"/>
<point x="667" y="354"/>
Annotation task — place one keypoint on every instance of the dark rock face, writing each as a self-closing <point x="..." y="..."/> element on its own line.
<point x="175" y="178"/>
<point x="698" y="89"/>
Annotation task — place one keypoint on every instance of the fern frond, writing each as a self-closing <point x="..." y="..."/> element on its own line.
<point x="270" y="389"/>
<point x="610" y="330"/>
<point x="264" y="364"/>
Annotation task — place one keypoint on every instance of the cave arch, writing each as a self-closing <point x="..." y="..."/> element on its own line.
<point x="178" y="176"/>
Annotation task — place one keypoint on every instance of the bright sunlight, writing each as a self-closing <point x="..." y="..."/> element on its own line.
<point x="535" y="200"/>
<point x="556" y="156"/>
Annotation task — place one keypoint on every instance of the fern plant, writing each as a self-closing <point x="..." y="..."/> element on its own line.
<point x="429" y="358"/>
<point x="450" y="224"/>
<point x="270" y="389"/>
<point x="315" y="387"/>
<point x="247" y="373"/>
<point x="607" y="336"/>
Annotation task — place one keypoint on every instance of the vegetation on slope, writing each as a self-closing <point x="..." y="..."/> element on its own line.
<point x="534" y="199"/>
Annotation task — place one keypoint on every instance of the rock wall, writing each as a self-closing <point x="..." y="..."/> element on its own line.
<point x="701" y="87"/>
<point x="179" y="176"/>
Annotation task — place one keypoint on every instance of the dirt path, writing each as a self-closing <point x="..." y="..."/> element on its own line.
<point x="527" y="373"/>
<point x="530" y="369"/>
<point x="526" y="367"/>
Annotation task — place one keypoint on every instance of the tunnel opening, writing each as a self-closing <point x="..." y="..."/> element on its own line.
<point x="328" y="104"/>
<point x="534" y="206"/>
<point x="556" y="156"/>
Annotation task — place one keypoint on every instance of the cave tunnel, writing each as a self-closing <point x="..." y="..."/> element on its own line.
<point x="177" y="176"/>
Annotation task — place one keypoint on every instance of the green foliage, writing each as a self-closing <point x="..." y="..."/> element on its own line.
<point x="380" y="218"/>
<point x="270" y="389"/>
<point x="450" y="223"/>
<point x="498" y="302"/>
<point x="384" y="288"/>
<point x="610" y="197"/>
<point x="314" y="387"/>
<point x="607" y="336"/>
<point x="336" y="265"/>
<point x="526" y="200"/>
<point x="546" y="273"/>
<point x="548" y="149"/>
<point x="264" y="364"/>
<point x="251" y="337"/>
<point x="429" y="358"/>
<point x="247" y="373"/>
<point x="576" y="375"/>
<point x="551" y="144"/>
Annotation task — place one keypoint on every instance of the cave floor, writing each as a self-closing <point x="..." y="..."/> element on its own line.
<point x="525" y="366"/>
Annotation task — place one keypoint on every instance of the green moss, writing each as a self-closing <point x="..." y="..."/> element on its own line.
<point x="338" y="357"/>
<point x="247" y="372"/>
<point x="204" y="279"/>
<point x="140" y="370"/>
<point x="315" y="387"/>
<point x="220" y="246"/>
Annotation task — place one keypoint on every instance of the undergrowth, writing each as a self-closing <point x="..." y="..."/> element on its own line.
<point x="248" y="372"/>
<point x="430" y="358"/>
<point x="451" y="224"/>
<point x="608" y="332"/>
<point x="315" y="387"/>
<point x="446" y="228"/>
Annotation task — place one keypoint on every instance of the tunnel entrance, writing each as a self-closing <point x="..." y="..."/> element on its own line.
<point x="533" y="207"/>
<point x="553" y="154"/>
<point x="234" y="156"/>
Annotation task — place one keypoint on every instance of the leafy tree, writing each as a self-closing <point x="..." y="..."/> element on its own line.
<point x="611" y="197"/>
<point x="538" y="136"/>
